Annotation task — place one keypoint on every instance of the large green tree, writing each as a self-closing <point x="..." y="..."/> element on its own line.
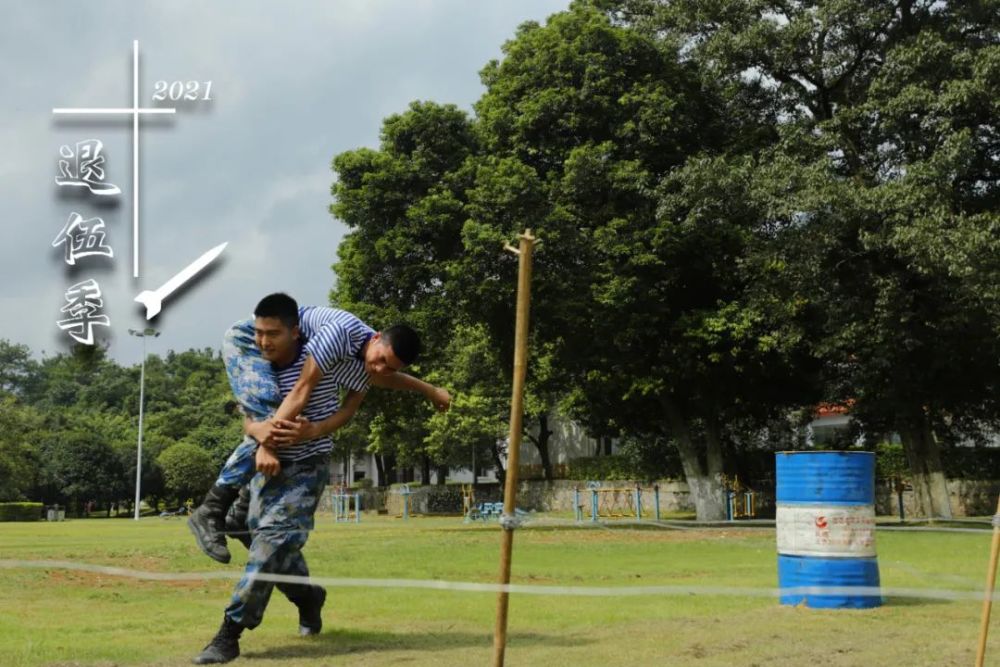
<point x="881" y="193"/>
<point x="606" y="144"/>
<point x="82" y="398"/>
<point x="18" y="371"/>
<point x="21" y="429"/>
<point x="81" y="459"/>
<point x="404" y="204"/>
<point x="474" y="429"/>
<point x="188" y="471"/>
<point x="642" y="168"/>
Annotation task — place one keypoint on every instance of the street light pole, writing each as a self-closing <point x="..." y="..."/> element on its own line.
<point x="142" y="390"/>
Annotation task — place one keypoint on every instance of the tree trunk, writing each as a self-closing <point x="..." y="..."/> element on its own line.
<point x="713" y="452"/>
<point x="542" y="445"/>
<point x="425" y="469"/>
<point x="498" y="462"/>
<point x="704" y="477"/>
<point x="940" y="498"/>
<point x="391" y="470"/>
<point x="923" y="453"/>
<point x="919" y="481"/>
<point x="380" y="468"/>
<point x="442" y="475"/>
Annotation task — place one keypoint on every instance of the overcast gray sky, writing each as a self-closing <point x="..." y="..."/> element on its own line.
<point x="293" y="84"/>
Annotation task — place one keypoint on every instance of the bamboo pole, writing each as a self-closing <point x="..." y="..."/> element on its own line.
<point x="527" y="242"/>
<point x="991" y="578"/>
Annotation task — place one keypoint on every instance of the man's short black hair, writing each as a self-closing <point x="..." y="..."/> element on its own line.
<point x="281" y="306"/>
<point x="404" y="341"/>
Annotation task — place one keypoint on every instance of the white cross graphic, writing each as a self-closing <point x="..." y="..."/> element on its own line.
<point x="135" y="112"/>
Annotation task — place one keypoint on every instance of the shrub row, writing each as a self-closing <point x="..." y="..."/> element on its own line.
<point x="758" y="465"/>
<point x="613" y="467"/>
<point x="20" y="511"/>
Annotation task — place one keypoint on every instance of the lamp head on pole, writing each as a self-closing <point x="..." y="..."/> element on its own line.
<point x="145" y="332"/>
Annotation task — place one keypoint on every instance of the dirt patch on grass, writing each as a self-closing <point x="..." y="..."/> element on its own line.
<point x="84" y="579"/>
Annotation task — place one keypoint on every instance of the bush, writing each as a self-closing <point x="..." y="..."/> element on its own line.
<point x="971" y="462"/>
<point x="890" y="461"/>
<point x="615" y="467"/>
<point x="756" y="466"/>
<point x="188" y="470"/>
<point x="651" y="458"/>
<point x="958" y="462"/>
<point x="20" y="511"/>
<point x="444" y="500"/>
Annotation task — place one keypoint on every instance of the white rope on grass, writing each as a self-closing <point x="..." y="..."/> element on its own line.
<point x="521" y="589"/>
<point x="674" y="524"/>
<point x="682" y="524"/>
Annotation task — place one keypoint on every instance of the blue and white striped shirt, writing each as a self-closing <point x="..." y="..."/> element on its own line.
<point x="335" y="339"/>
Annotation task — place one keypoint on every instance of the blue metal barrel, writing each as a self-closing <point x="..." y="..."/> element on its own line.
<point x="826" y="528"/>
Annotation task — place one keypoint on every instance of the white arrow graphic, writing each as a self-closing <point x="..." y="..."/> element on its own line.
<point x="153" y="299"/>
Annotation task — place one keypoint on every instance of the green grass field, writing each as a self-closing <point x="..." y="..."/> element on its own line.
<point x="62" y="617"/>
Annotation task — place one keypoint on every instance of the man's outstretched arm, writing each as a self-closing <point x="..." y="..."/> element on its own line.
<point x="436" y="395"/>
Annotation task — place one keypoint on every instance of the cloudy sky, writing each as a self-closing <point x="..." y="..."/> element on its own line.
<point x="293" y="84"/>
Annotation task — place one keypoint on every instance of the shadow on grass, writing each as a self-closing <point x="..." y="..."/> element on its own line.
<point x="342" y="642"/>
<point x="911" y="602"/>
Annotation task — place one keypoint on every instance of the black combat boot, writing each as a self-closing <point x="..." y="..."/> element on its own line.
<point x="310" y="620"/>
<point x="208" y="522"/>
<point x="225" y="645"/>
<point x="236" y="519"/>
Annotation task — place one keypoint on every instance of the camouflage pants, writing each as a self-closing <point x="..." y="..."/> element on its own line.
<point x="281" y="515"/>
<point x="250" y="375"/>
<point x="255" y="388"/>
